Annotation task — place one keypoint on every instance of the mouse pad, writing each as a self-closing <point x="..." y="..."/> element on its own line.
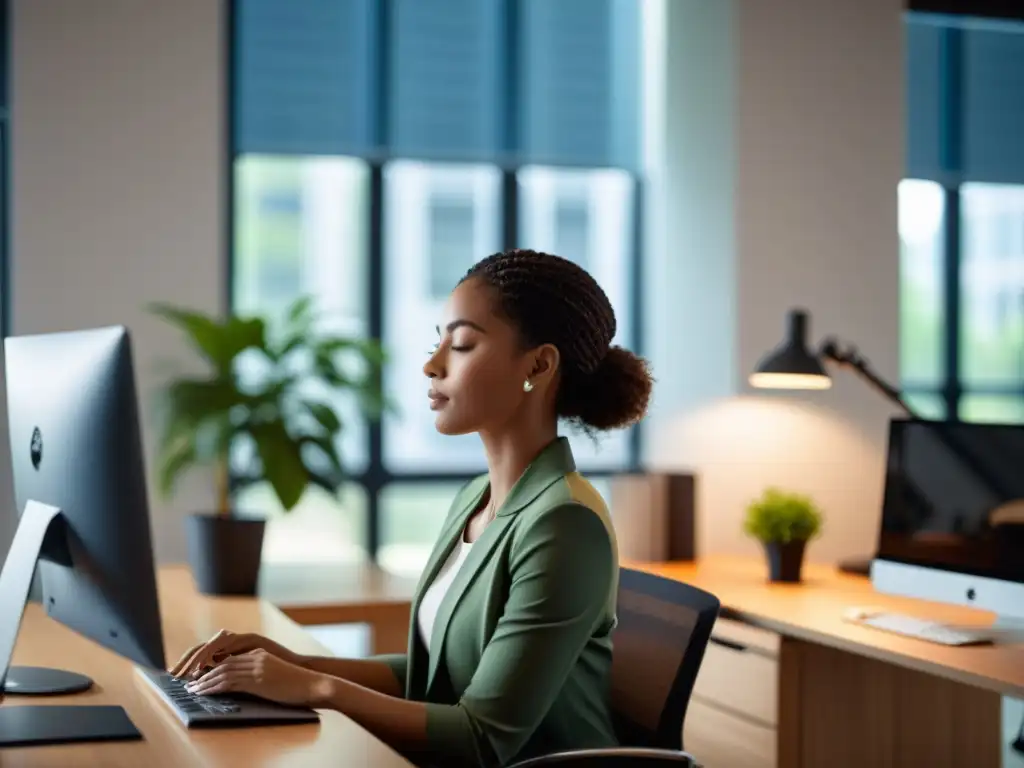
<point x="31" y="725"/>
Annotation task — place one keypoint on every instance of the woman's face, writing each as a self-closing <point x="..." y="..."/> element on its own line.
<point x="479" y="366"/>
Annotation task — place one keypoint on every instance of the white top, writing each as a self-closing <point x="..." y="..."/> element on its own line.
<point x="439" y="588"/>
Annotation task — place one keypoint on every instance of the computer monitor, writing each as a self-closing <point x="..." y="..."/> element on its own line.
<point x="80" y="486"/>
<point x="953" y="516"/>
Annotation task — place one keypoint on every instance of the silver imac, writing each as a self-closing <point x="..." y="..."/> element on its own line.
<point x="952" y="527"/>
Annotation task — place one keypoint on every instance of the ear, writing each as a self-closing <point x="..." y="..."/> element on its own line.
<point x="545" y="360"/>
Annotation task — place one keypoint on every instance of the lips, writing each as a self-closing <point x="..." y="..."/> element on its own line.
<point x="437" y="400"/>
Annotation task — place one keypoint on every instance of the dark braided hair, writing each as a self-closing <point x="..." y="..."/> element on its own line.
<point x="554" y="301"/>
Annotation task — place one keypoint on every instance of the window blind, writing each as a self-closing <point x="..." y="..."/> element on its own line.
<point x="993" y="105"/>
<point x="980" y="75"/>
<point x="447" y="79"/>
<point x="924" y="107"/>
<point x="305" y="76"/>
<point x="579" y="82"/>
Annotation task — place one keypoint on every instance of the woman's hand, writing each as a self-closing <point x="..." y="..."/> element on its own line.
<point x="263" y="674"/>
<point x="224" y="644"/>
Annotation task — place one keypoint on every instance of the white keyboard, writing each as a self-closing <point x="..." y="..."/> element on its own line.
<point x="920" y="629"/>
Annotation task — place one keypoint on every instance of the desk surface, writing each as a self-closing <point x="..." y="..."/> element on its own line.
<point x="813" y="611"/>
<point x="187" y="619"/>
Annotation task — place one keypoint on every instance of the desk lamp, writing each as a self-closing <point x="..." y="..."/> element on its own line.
<point x="792" y="365"/>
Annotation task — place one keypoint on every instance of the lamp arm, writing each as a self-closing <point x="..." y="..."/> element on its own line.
<point x="849" y="357"/>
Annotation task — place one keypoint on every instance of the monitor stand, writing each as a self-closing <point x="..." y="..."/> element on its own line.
<point x="43" y="534"/>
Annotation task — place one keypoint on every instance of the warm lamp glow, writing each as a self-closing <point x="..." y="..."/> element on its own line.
<point x="789" y="381"/>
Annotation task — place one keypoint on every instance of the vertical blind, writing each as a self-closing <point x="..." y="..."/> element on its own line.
<point x="529" y="81"/>
<point x="980" y="74"/>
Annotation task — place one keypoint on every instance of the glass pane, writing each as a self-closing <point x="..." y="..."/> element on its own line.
<point x="927" y="405"/>
<point x="300" y="229"/>
<point x="320" y="528"/>
<point x="586" y="216"/>
<point x="921" y="212"/>
<point x="439" y="221"/>
<point x="411" y="515"/>
<point x="992" y="284"/>
<point x="999" y="409"/>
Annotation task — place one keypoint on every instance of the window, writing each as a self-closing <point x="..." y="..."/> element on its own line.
<point x="961" y="220"/>
<point x="379" y="150"/>
<point x="418" y="246"/>
<point x="586" y="216"/>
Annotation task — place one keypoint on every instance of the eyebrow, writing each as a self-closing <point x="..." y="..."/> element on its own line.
<point x="450" y="328"/>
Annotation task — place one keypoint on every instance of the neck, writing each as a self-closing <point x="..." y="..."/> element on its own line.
<point x="509" y="453"/>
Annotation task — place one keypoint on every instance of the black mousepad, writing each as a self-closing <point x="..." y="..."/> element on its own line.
<point x="32" y="725"/>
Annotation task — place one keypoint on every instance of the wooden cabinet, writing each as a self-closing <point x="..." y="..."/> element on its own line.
<point x="733" y="714"/>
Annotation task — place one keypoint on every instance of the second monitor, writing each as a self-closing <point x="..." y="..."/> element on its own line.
<point x="952" y="525"/>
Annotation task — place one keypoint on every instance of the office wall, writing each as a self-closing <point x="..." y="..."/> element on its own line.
<point x="774" y="177"/>
<point x="117" y="182"/>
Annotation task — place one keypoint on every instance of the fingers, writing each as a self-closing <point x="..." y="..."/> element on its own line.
<point x="182" y="663"/>
<point x="234" y="674"/>
<point x="206" y="654"/>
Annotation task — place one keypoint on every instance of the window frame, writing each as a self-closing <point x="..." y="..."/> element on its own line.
<point x="951" y="386"/>
<point x="376" y="476"/>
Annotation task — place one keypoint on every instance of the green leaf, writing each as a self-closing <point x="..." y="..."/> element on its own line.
<point x="321" y="481"/>
<point x="199" y="399"/>
<point x="178" y="457"/>
<point x="282" y="462"/>
<point x="325" y="416"/>
<point x="300" y="310"/>
<point x="782" y="516"/>
<point x="327" y="448"/>
<point x="219" y="342"/>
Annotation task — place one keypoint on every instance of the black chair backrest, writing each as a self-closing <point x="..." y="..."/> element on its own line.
<point x="658" y="645"/>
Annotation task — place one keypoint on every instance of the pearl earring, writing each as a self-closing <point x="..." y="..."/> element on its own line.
<point x="527" y="386"/>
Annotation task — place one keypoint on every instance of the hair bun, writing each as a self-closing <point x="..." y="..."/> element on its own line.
<point x="613" y="396"/>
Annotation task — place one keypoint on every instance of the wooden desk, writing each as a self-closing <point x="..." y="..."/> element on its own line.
<point x="790" y="684"/>
<point x="187" y="618"/>
<point x="342" y="594"/>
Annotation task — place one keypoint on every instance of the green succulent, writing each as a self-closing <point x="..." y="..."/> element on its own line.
<point x="781" y="516"/>
<point x="282" y="422"/>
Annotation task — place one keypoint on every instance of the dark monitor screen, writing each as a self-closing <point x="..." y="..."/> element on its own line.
<point x="954" y="497"/>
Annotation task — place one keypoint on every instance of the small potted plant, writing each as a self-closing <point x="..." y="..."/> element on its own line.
<point x="783" y="522"/>
<point x="267" y="421"/>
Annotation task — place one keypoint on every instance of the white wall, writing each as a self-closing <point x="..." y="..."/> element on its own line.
<point x="782" y="149"/>
<point x="118" y="164"/>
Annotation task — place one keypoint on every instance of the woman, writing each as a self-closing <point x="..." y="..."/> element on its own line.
<point x="510" y="644"/>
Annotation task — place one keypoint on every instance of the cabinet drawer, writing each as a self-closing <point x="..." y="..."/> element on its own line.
<point x="718" y="739"/>
<point x="742" y="678"/>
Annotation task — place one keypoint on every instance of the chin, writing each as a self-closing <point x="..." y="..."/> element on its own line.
<point x="451" y="427"/>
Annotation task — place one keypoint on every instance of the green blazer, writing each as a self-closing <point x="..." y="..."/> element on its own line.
<point x="521" y="650"/>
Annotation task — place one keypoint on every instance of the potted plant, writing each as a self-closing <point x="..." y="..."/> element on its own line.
<point x="783" y="522"/>
<point x="267" y="421"/>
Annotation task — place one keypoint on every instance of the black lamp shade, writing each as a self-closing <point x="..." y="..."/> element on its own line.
<point x="791" y="365"/>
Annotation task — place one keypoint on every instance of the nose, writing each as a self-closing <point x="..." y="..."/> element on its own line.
<point x="434" y="367"/>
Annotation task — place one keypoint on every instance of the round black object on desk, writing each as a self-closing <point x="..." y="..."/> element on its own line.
<point x="40" y="681"/>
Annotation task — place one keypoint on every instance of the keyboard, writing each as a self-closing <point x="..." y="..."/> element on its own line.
<point x="919" y="629"/>
<point x="218" y="711"/>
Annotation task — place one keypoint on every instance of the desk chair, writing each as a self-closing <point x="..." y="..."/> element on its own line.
<point x="664" y="627"/>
